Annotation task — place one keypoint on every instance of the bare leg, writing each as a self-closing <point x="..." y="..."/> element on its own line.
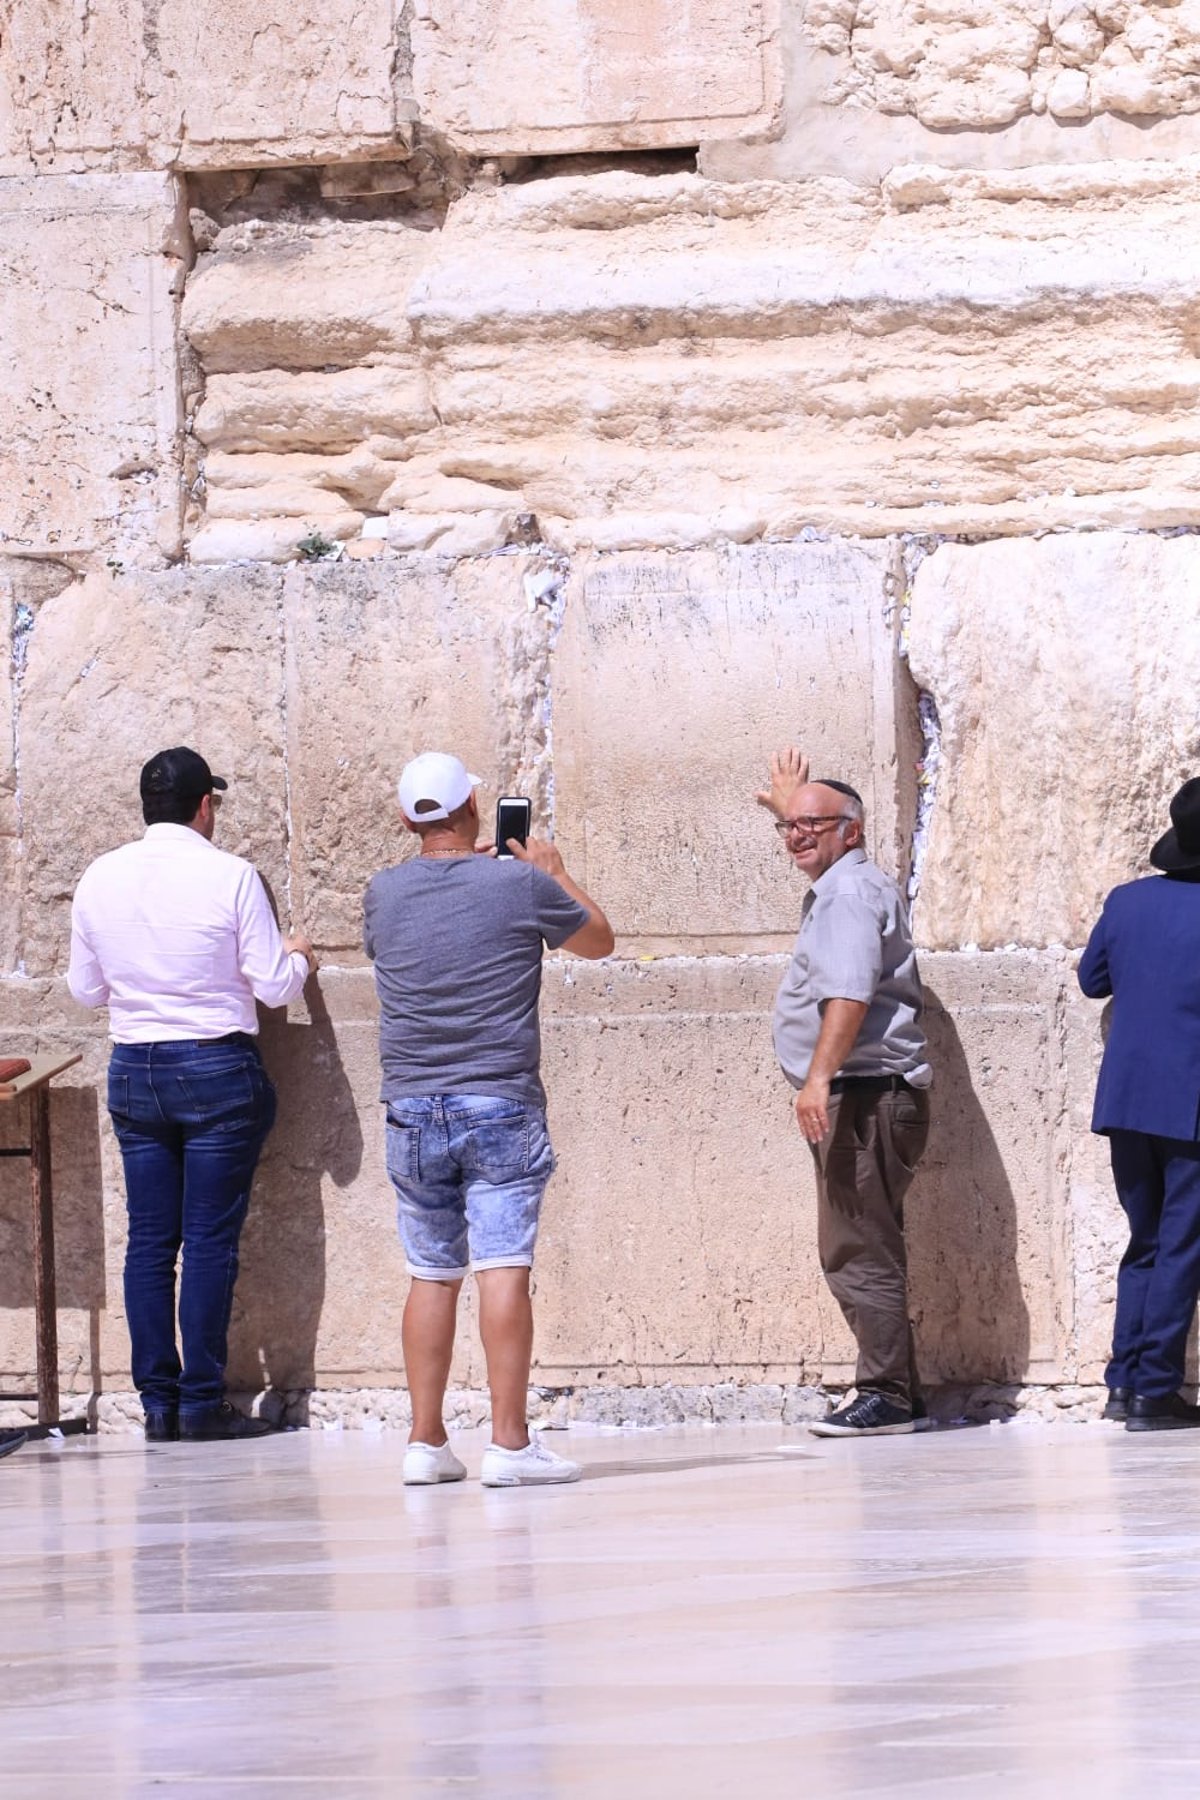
<point x="506" y="1327"/>
<point x="428" y="1338"/>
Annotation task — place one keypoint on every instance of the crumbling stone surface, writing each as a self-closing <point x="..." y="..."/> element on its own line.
<point x="662" y="362"/>
<point x="969" y="65"/>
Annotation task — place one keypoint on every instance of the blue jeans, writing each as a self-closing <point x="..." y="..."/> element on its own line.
<point x="469" y="1172"/>
<point x="190" y="1118"/>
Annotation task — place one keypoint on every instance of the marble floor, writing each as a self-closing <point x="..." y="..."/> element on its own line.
<point x="1004" y="1610"/>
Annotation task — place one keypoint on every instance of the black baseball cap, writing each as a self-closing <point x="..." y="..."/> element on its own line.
<point x="181" y="772"/>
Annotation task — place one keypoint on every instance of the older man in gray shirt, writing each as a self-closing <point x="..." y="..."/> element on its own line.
<point x="848" y="1037"/>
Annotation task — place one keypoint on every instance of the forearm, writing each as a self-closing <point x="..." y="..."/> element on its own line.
<point x="841" y="1023"/>
<point x="595" y="939"/>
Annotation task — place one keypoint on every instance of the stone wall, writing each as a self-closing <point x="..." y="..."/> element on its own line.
<point x="611" y="392"/>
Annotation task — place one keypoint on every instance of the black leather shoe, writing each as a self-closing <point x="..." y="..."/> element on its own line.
<point x="1117" y="1404"/>
<point x="12" y="1440"/>
<point x="162" y="1425"/>
<point x="1169" y="1412"/>
<point x="222" y="1422"/>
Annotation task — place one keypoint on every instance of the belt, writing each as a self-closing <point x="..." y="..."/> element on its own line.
<point x="868" y="1084"/>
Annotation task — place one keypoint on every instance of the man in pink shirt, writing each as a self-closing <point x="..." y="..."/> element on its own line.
<point x="178" y="940"/>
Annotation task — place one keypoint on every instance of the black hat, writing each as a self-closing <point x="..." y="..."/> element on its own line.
<point x="1179" y="848"/>
<point x="180" y="772"/>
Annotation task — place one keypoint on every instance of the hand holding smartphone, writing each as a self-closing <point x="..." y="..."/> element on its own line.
<point x="514" y="814"/>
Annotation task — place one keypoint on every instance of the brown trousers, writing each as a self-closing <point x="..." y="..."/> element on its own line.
<point x="865" y="1165"/>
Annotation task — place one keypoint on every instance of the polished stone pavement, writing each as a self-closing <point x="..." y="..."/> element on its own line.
<point x="1003" y="1610"/>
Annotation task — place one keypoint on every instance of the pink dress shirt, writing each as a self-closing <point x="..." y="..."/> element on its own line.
<point x="178" y="940"/>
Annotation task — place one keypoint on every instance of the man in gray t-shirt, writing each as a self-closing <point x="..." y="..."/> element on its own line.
<point x="456" y="937"/>
<point x="848" y="1037"/>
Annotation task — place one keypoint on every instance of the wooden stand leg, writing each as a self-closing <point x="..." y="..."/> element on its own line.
<point x="45" y="1292"/>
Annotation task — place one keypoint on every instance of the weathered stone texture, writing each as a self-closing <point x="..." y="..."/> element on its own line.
<point x="972" y="66"/>
<point x="666" y="362"/>
<point x="90" y="450"/>
<point x="1064" y="672"/>
<point x="160" y="82"/>
<point x="386" y="660"/>
<point x="770" y="644"/>
<point x="499" y="77"/>
<point x="679" y="1234"/>
<point x="116" y="668"/>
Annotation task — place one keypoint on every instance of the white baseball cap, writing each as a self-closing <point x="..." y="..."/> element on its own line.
<point x="433" y="776"/>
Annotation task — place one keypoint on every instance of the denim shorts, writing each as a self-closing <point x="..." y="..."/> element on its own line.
<point x="469" y="1172"/>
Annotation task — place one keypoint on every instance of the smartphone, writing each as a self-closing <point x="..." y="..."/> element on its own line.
<point x="513" y="815"/>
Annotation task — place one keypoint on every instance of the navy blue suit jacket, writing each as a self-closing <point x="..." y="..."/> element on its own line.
<point x="1145" y="952"/>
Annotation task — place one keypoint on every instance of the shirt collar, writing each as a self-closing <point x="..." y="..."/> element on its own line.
<point x="179" y="834"/>
<point x="831" y="879"/>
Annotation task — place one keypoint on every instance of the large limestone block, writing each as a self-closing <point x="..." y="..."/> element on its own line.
<point x="312" y="80"/>
<point x="321" y="298"/>
<point x="678" y="1241"/>
<point x="322" y="1281"/>
<point x="988" y="1224"/>
<point x="137" y="82"/>
<point x="679" y="1233"/>
<point x="1099" y="1232"/>
<point x="594" y="74"/>
<point x="1064" y="672"/>
<point x="90" y="428"/>
<point x="674" y="677"/>
<point x="386" y="660"/>
<point x="117" y="667"/>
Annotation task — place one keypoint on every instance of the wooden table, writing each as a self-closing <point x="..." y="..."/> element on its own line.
<point x="36" y="1084"/>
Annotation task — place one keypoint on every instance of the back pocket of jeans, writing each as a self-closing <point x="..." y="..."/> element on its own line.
<point x="497" y="1149"/>
<point x="403" y="1152"/>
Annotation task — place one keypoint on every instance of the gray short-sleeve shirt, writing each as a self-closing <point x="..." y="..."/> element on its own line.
<point x="457" y="946"/>
<point x="855" y="943"/>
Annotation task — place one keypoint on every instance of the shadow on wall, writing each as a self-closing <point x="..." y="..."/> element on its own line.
<point x="281" y="1288"/>
<point x="78" y="1225"/>
<point x="969" y="1313"/>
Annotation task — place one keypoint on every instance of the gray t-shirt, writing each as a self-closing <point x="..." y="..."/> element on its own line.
<point x="854" y="944"/>
<point x="457" y="947"/>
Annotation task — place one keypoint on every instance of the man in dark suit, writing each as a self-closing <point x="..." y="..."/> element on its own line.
<point x="1145" y="952"/>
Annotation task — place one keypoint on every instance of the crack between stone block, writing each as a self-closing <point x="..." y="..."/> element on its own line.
<point x="24" y="618"/>
<point x="281" y="617"/>
<point x="913" y="552"/>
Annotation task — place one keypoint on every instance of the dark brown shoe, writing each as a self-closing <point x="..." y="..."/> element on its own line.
<point x="162" y="1425"/>
<point x="1117" y="1404"/>
<point x="222" y="1423"/>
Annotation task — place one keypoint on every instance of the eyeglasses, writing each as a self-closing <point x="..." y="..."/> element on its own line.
<point x="812" y="823"/>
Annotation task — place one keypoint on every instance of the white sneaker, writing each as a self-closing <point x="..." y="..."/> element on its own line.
<point x="534" y="1466"/>
<point x="425" y="1464"/>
